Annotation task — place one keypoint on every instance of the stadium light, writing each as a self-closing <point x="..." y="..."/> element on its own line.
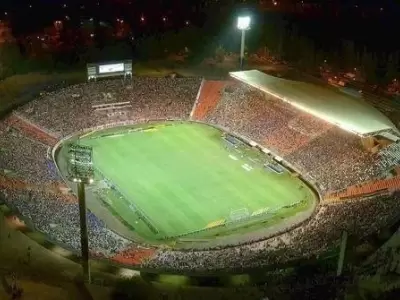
<point x="243" y="24"/>
<point x="80" y="171"/>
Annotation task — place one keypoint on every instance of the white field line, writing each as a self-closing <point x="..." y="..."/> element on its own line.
<point x="114" y="136"/>
<point x="247" y="167"/>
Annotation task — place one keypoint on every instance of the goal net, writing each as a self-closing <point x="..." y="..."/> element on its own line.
<point x="239" y="214"/>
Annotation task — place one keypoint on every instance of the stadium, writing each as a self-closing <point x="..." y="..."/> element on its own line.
<point x="203" y="175"/>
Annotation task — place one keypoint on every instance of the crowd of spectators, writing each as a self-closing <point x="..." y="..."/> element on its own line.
<point x="25" y="157"/>
<point x="269" y="121"/>
<point x="330" y="156"/>
<point x="71" y="109"/>
<point x="25" y="151"/>
<point x="359" y="217"/>
<point x="59" y="220"/>
<point x="336" y="160"/>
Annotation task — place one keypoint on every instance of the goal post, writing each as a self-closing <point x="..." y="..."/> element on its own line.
<point x="239" y="214"/>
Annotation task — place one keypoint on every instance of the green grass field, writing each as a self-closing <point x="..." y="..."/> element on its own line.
<point x="184" y="178"/>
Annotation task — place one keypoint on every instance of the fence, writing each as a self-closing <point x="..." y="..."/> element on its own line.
<point x="251" y="217"/>
<point x="141" y="214"/>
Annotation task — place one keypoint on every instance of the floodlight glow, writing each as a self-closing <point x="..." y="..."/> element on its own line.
<point x="243" y="23"/>
<point x="91" y="180"/>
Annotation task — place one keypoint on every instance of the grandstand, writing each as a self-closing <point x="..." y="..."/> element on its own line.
<point x="32" y="130"/>
<point x="367" y="188"/>
<point x="310" y="118"/>
<point x="345" y="111"/>
<point x="340" y="145"/>
<point x="209" y="94"/>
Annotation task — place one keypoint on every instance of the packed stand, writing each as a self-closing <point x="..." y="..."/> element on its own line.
<point x="71" y="109"/>
<point x="134" y="255"/>
<point x="265" y="119"/>
<point x="390" y="156"/>
<point x="46" y="209"/>
<point x="30" y="131"/>
<point x="25" y="157"/>
<point x="359" y="217"/>
<point x="328" y="155"/>
<point x="336" y="160"/>
<point x="59" y="220"/>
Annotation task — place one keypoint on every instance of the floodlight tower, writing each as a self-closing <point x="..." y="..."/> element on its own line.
<point x="243" y="24"/>
<point x="80" y="170"/>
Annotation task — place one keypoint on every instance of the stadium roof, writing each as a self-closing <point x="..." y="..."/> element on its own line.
<point x="347" y="112"/>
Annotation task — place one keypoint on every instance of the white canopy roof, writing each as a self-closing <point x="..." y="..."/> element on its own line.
<point x="350" y="113"/>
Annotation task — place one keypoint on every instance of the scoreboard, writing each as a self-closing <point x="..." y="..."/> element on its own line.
<point x="109" y="69"/>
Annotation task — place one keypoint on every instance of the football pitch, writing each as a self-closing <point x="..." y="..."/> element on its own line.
<point x="172" y="179"/>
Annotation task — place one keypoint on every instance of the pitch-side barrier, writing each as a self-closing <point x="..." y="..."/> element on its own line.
<point x="138" y="211"/>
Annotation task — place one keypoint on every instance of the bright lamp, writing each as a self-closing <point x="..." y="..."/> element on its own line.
<point x="243" y="23"/>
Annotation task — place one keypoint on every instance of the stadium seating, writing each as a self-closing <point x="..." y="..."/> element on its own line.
<point x="133" y="256"/>
<point x="390" y="156"/>
<point x="26" y="158"/>
<point x="336" y="160"/>
<point x="316" y="148"/>
<point x="150" y="98"/>
<point x="358" y="216"/>
<point x="368" y="188"/>
<point x="265" y="119"/>
<point x="209" y="95"/>
<point x="332" y="158"/>
<point x="31" y="131"/>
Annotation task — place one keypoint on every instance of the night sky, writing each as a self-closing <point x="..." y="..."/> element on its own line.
<point x="25" y="18"/>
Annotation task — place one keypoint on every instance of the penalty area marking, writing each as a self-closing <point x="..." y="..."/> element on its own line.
<point x="247" y="167"/>
<point x="115" y="135"/>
